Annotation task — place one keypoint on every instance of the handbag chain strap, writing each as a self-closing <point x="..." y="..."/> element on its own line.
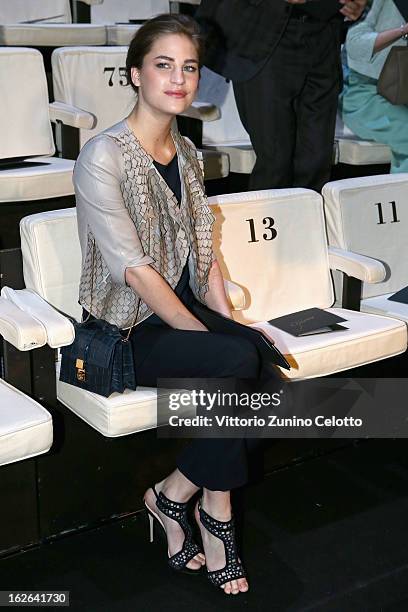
<point x="126" y="339"/>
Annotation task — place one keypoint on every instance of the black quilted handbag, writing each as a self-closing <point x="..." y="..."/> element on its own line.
<point x="101" y="358"/>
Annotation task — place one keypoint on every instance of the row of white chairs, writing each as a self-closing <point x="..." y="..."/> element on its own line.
<point x="227" y="134"/>
<point x="49" y="23"/>
<point x="273" y="250"/>
<point x="89" y="95"/>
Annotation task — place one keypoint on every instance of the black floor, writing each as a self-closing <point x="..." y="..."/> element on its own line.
<point x="329" y="534"/>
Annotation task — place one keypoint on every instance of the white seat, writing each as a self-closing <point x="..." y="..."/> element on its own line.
<point x="52" y="34"/>
<point x="122" y="11"/>
<point x="350" y="149"/>
<point x="366" y="341"/>
<point x="112" y="11"/>
<point x="25" y="426"/>
<point x="40" y="11"/>
<point x="52" y="266"/>
<point x="94" y="78"/>
<point x="284" y="267"/>
<point x="38" y="179"/>
<point x="29" y="172"/>
<point x="45" y="23"/>
<point x="368" y="215"/>
<point x="227" y="134"/>
<point x="120" y="414"/>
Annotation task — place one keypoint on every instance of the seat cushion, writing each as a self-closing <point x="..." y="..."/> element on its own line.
<point x="357" y="152"/>
<point x="25" y="426"/>
<point x="52" y="34"/>
<point x="119" y="414"/>
<point x="369" y="338"/>
<point x="362" y="152"/>
<point x="37" y="178"/>
<point x="216" y="165"/>
<point x="242" y="156"/>
<point x="383" y="306"/>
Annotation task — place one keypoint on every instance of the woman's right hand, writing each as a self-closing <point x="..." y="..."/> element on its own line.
<point x="188" y="323"/>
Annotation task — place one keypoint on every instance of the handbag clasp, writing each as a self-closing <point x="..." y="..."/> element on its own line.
<point x="80" y="370"/>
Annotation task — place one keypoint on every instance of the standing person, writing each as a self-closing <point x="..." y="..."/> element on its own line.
<point x="145" y="233"/>
<point x="365" y="111"/>
<point x="283" y="57"/>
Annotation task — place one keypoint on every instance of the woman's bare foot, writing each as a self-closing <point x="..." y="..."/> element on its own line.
<point x="215" y="552"/>
<point x="174" y="532"/>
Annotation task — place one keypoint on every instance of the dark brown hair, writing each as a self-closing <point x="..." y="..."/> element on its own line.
<point x="161" y="25"/>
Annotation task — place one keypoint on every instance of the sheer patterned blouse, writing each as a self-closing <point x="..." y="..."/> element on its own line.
<point x="128" y="216"/>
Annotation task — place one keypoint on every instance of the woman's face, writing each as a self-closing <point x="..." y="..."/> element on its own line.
<point x="168" y="78"/>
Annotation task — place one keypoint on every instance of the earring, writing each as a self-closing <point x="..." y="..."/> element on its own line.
<point x="136" y="78"/>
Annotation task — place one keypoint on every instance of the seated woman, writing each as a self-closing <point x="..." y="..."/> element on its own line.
<point x="146" y="238"/>
<point x="365" y="112"/>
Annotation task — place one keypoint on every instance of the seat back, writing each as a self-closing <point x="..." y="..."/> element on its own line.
<point x="25" y="126"/>
<point x="273" y="244"/>
<point x="94" y="79"/>
<point x="369" y="215"/>
<point x="228" y="129"/>
<point x="115" y="11"/>
<point x="52" y="258"/>
<point x="39" y="11"/>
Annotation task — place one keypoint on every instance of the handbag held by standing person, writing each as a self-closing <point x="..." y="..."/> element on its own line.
<point x="393" y="81"/>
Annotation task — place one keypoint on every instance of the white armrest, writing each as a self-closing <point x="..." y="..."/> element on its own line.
<point x="19" y="328"/>
<point x="58" y="329"/>
<point x="358" y="266"/>
<point x="71" y="115"/>
<point x="203" y="111"/>
<point x="91" y="2"/>
<point x="235" y="295"/>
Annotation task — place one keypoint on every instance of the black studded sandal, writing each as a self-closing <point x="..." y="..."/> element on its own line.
<point x="225" y="531"/>
<point x="178" y="512"/>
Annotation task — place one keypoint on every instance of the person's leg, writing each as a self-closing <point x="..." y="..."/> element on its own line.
<point x="266" y="108"/>
<point x="316" y="108"/>
<point x="216" y="525"/>
<point x="167" y="353"/>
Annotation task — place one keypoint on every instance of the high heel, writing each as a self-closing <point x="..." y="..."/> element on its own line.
<point x="178" y="512"/>
<point x="225" y="531"/>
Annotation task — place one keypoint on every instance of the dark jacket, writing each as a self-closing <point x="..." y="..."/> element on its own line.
<point x="242" y="34"/>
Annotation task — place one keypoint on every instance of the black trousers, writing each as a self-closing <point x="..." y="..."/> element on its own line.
<point x="162" y="352"/>
<point x="289" y="108"/>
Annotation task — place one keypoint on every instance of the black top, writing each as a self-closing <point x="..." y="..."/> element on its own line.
<point x="171" y="175"/>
